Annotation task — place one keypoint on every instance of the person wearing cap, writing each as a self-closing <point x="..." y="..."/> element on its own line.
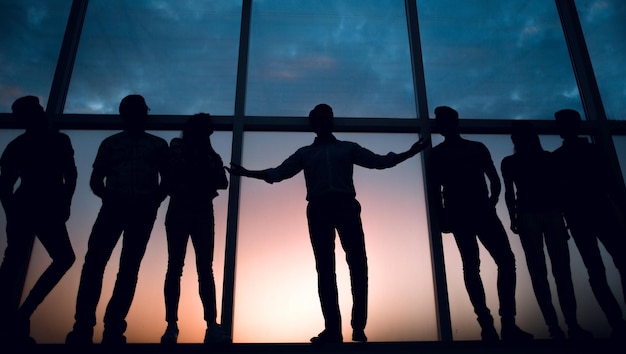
<point x="128" y="175"/>
<point x="593" y="206"/>
<point x="467" y="209"/>
<point x="42" y="159"/>
<point x="328" y="167"/>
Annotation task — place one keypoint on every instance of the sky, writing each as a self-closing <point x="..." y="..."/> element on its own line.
<point x="488" y="59"/>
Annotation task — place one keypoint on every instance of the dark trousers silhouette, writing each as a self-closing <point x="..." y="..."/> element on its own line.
<point x="485" y="226"/>
<point x="182" y="224"/>
<point x="135" y="219"/>
<point x="21" y="229"/>
<point x="534" y="229"/>
<point x="588" y="225"/>
<point x="344" y="215"/>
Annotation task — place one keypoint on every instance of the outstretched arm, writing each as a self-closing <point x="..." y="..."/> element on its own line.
<point x="417" y="147"/>
<point x="239" y="170"/>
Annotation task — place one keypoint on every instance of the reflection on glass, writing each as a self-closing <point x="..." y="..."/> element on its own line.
<point x="496" y="59"/>
<point x="276" y="284"/>
<point x="605" y="34"/>
<point x="32" y="32"/>
<point x="146" y="319"/>
<point x="351" y="54"/>
<point x="181" y="56"/>
<point x="529" y="317"/>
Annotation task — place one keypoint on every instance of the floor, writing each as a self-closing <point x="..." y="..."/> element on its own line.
<point x="534" y="347"/>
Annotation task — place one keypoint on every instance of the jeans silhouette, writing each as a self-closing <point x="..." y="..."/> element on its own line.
<point x="342" y="214"/>
<point x="532" y="227"/>
<point x="135" y="218"/>
<point x="483" y="224"/>
<point x="182" y="224"/>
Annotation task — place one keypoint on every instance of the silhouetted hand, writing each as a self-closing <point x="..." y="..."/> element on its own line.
<point x="236" y="169"/>
<point x="420" y="145"/>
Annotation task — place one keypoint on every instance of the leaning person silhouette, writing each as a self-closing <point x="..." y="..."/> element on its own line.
<point x="591" y="202"/>
<point x="43" y="161"/>
<point x="530" y="192"/>
<point x="125" y="176"/>
<point x="468" y="210"/>
<point x="328" y="167"/>
<point x="196" y="174"/>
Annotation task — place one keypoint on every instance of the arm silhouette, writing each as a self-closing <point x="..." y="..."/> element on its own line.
<point x="495" y="186"/>
<point x="509" y="195"/>
<point x="239" y="170"/>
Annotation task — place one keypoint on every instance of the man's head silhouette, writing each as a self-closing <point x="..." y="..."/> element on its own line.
<point x="447" y="119"/>
<point x="134" y="112"/>
<point x="567" y="123"/>
<point x="321" y="119"/>
<point x="524" y="137"/>
<point x="28" y="110"/>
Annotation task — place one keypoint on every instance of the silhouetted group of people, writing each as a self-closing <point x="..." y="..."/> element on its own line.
<point x="543" y="191"/>
<point x="133" y="173"/>
<point x="546" y="194"/>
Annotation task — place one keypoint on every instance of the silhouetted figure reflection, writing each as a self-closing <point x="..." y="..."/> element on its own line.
<point x="530" y="192"/>
<point x="591" y="202"/>
<point x="125" y="176"/>
<point x="196" y="173"/>
<point x="467" y="209"/>
<point x="43" y="161"/>
<point x="328" y="168"/>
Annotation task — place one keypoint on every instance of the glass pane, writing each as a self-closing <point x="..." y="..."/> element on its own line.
<point x="605" y="35"/>
<point x="529" y="317"/>
<point x="351" y="54"/>
<point x="32" y="33"/>
<point x="276" y="290"/>
<point x="181" y="56"/>
<point x="496" y="59"/>
<point x="146" y="320"/>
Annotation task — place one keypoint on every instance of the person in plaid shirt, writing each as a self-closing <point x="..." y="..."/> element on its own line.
<point x="129" y="175"/>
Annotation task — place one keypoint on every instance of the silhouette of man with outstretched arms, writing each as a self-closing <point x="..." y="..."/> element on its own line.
<point x="128" y="175"/>
<point x="328" y="167"/>
<point x="468" y="210"/>
<point x="591" y="204"/>
<point x="42" y="160"/>
<point x="530" y="192"/>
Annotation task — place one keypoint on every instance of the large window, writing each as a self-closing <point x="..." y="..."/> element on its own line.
<point x="32" y="32"/>
<point x="496" y="59"/>
<point x="180" y="55"/>
<point x="353" y="55"/>
<point x="604" y="28"/>
<point x="259" y="66"/>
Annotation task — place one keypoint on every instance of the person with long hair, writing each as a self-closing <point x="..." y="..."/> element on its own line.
<point x="196" y="174"/>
